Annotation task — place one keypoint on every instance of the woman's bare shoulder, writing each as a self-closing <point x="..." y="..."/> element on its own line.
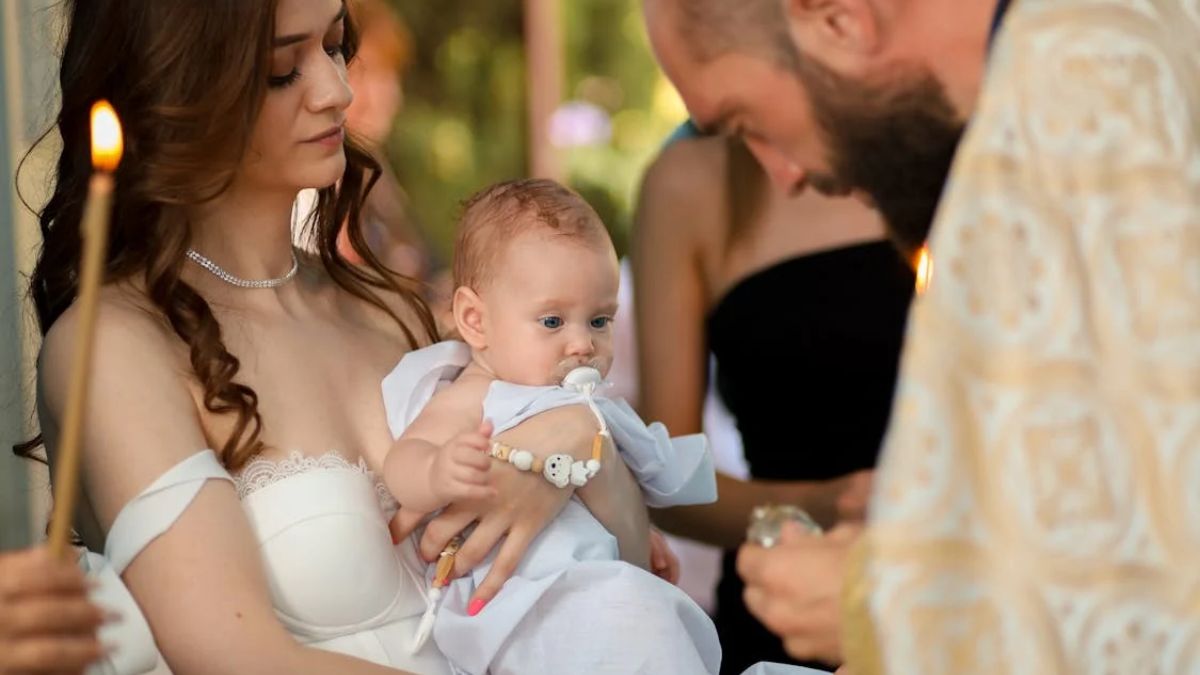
<point x="688" y="168"/>
<point x="141" y="416"/>
<point x="683" y="195"/>
<point x="129" y="334"/>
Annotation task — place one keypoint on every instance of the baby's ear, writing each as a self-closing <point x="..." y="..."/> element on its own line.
<point x="469" y="310"/>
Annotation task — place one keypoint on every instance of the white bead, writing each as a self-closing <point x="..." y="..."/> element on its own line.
<point x="593" y="467"/>
<point x="522" y="459"/>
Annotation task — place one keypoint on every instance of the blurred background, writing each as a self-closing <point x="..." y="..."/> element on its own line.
<point x="27" y="74"/>
<point x="470" y="88"/>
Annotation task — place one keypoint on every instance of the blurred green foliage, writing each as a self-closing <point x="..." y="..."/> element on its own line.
<point x="464" y="124"/>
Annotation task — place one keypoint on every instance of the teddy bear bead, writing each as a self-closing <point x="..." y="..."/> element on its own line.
<point x="557" y="470"/>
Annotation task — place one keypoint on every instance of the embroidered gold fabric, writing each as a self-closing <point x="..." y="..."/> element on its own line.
<point x="1037" y="508"/>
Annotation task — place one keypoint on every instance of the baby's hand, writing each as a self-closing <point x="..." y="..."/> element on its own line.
<point x="460" y="469"/>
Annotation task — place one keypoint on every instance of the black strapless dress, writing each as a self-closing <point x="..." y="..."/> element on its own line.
<point x="807" y="352"/>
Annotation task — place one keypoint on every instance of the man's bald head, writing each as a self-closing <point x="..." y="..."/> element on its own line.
<point x="713" y="28"/>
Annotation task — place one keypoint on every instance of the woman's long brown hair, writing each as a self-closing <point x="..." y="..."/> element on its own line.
<point x="188" y="78"/>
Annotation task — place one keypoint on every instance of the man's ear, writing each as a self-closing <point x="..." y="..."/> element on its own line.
<point x="843" y="33"/>
<point x="469" y="311"/>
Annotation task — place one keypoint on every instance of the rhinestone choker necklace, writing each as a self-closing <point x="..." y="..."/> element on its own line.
<point x="228" y="278"/>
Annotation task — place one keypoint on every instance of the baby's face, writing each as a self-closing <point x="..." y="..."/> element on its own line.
<point x="549" y="308"/>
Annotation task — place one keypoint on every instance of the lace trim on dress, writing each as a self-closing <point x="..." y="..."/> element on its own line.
<point x="259" y="473"/>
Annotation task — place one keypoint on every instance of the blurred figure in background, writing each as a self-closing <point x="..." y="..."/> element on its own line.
<point x="376" y="78"/>
<point x="802" y="295"/>
<point x="699" y="563"/>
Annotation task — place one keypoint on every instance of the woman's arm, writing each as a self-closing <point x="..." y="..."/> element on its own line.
<point x="678" y="208"/>
<point x="526" y="503"/>
<point x="681" y="223"/>
<point x="724" y="523"/>
<point x="201" y="584"/>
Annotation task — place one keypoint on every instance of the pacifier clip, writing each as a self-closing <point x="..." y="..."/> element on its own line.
<point x="562" y="470"/>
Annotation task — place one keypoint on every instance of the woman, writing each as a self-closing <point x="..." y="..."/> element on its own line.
<point x="802" y="302"/>
<point x="271" y="552"/>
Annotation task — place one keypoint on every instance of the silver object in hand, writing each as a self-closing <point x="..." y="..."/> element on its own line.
<point x="766" y="523"/>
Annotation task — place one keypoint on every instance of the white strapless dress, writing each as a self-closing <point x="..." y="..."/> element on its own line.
<point x="315" y="519"/>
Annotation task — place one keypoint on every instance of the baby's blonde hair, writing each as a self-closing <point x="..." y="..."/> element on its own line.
<point x="496" y="215"/>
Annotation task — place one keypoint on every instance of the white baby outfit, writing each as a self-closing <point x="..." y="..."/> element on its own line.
<point x="572" y="606"/>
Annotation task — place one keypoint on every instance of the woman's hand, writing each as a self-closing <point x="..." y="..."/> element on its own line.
<point x="524" y="503"/>
<point x="46" y="621"/>
<point x="795" y="589"/>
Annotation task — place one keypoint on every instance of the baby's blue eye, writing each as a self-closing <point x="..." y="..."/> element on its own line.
<point x="551" y="322"/>
<point x="601" y="322"/>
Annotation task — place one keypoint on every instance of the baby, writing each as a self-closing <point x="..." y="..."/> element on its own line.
<point x="536" y="282"/>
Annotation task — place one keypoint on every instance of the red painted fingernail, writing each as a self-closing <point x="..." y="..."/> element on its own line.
<point x="476" y="606"/>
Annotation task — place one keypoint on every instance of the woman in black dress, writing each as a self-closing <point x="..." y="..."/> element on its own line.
<point x="802" y="302"/>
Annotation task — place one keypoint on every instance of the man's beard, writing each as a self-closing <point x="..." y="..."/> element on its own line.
<point x="895" y="141"/>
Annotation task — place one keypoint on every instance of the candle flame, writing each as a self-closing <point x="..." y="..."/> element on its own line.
<point x="923" y="263"/>
<point x="107" y="144"/>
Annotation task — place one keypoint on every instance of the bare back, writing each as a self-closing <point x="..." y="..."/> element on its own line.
<point x="688" y="253"/>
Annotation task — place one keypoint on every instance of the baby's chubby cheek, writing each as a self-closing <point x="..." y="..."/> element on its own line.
<point x="603" y="364"/>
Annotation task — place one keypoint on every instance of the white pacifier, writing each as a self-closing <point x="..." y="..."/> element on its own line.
<point x="583" y="379"/>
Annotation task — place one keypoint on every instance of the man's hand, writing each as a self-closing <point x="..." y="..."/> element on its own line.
<point x="795" y="589"/>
